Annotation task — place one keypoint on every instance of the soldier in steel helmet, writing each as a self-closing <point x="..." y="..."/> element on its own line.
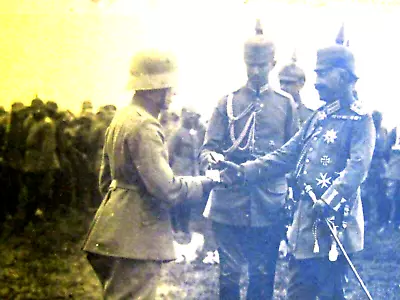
<point x="292" y="80"/>
<point x="131" y="234"/>
<point x="248" y="222"/>
<point x="330" y="155"/>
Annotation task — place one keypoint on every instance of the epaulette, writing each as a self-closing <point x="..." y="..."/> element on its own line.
<point x="358" y="108"/>
<point x="283" y="93"/>
<point x="226" y="96"/>
<point x="236" y="91"/>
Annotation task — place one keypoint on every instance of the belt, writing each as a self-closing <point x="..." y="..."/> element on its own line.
<point x="122" y="185"/>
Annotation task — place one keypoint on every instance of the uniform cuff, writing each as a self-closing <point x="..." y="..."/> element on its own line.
<point x="251" y="171"/>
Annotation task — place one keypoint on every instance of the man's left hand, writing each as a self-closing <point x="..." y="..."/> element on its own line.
<point x="230" y="176"/>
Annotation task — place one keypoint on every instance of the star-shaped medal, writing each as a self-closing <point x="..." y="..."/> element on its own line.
<point x="330" y="136"/>
<point x="324" y="182"/>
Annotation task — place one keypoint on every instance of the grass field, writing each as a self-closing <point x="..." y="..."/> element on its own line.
<point x="47" y="263"/>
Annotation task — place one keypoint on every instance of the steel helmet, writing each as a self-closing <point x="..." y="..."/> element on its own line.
<point x="152" y="69"/>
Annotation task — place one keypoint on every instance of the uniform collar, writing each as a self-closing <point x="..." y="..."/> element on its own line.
<point x="263" y="89"/>
<point x="332" y="107"/>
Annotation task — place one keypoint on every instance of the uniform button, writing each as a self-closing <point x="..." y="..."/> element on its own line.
<point x="307" y="160"/>
<point x="247" y="215"/>
<point x="97" y="245"/>
<point x="311" y="149"/>
<point x="305" y="172"/>
<point x="315" y="138"/>
<point x="320" y="128"/>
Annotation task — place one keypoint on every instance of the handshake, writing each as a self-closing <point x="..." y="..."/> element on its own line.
<point x="224" y="172"/>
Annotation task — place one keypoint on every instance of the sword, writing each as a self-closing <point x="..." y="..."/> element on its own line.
<point x="313" y="197"/>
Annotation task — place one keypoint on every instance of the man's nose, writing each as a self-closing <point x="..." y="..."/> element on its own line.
<point x="256" y="70"/>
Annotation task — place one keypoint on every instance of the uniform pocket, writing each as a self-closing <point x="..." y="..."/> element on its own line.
<point x="152" y="212"/>
<point x="277" y="186"/>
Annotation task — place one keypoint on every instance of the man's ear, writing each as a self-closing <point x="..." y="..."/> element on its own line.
<point x="344" y="76"/>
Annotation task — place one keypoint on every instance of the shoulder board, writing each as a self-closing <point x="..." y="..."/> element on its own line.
<point x="358" y="108"/>
<point x="283" y="93"/>
<point x="332" y="107"/>
<point x="235" y="91"/>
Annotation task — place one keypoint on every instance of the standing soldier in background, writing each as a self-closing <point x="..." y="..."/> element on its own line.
<point x="40" y="164"/>
<point x="13" y="155"/>
<point x="392" y="177"/>
<point x="87" y="108"/>
<point x="183" y="149"/>
<point x="4" y="119"/>
<point x="331" y="155"/>
<point x="96" y="143"/>
<point x="170" y="121"/>
<point x="248" y="222"/>
<point x="292" y="80"/>
<point x="131" y="234"/>
<point x="373" y="188"/>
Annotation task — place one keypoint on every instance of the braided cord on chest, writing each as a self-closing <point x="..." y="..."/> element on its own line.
<point x="249" y="127"/>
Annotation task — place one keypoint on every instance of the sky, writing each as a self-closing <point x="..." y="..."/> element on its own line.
<point x="75" y="50"/>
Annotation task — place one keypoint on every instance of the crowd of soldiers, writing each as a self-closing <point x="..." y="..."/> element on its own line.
<point x="50" y="160"/>
<point x="381" y="188"/>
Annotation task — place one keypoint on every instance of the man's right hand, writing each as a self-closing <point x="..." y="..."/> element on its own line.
<point x="213" y="159"/>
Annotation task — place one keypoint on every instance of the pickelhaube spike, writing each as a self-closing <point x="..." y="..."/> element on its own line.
<point x="337" y="56"/>
<point x="258" y="28"/>
<point x="258" y="48"/>
<point x="291" y="72"/>
<point x="294" y="57"/>
<point x="340" y="36"/>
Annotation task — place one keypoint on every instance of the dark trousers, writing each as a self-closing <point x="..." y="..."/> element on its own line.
<point x="309" y="278"/>
<point x="392" y="193"/>
<point x="126" y="279"/>
<point x="34" y="194"/>
<point x="180" y="217"/>
<point x="255" y="246"/>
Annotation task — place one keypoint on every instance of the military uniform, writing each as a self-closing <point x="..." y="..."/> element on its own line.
<point x="392" y="177"/>
<point x="131" y="233"/>
<point x="40" y="164"/>
<point x="13" y="154"/>
<point x="331" y="153"/>
<point x="373" y="188"/>
<point x="183" y="149"/>
<point x="246" y="221"/>
<point x="330" y="156"/>
<point x="275" y="122"/>
<point x="292" y="80"/>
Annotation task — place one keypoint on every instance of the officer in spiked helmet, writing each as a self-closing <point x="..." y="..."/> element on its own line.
<point x="247" y="223"/>
<point x="330" y="157"/>
<point x="292" y="79"/>
<point x="131" y="234"/>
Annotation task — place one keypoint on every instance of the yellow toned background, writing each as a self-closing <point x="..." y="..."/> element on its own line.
<point x="76" y="50"/>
